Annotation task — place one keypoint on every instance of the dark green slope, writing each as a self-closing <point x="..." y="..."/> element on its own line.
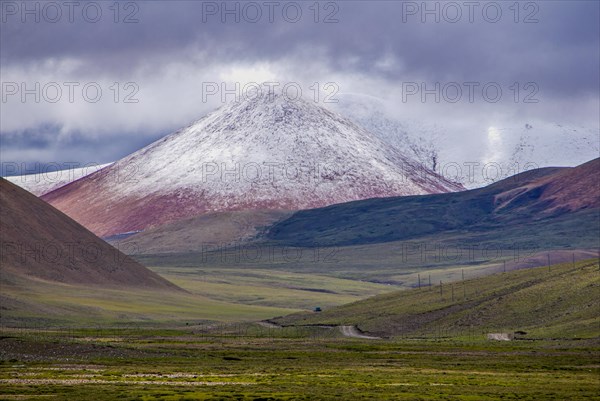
<point x="555" y="202"/>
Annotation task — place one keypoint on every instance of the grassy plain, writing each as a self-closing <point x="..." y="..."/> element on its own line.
<point x="152" y="364"/>
<point x="152" y="347"/>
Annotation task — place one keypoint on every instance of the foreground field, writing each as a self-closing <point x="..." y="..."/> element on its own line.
<point x="178" y="365"/>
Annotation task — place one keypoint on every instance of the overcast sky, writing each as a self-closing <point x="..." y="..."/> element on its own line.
<point x="157" y="64"/>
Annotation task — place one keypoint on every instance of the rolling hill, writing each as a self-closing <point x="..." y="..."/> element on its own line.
<point x="40" y="242"/>
<point x="207" y="231"/>
<point x="562" y="301"/>
<point x="562" y="202"/>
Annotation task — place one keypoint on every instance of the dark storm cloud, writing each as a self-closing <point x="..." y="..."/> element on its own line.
<point x="560" y="51"/>
<point x="38" y="150"/>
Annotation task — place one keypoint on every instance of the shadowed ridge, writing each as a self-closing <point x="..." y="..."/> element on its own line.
<point x="533" y="196"/>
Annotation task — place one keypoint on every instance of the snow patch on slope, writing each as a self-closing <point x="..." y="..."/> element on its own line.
<point x="42" y="183"/>
<point x="418" y="140"/>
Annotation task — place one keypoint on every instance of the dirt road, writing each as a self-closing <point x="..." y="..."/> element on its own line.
<point x="351" y="331"/>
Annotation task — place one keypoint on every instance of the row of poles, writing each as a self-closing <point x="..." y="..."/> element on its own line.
<point x="463" y="279"/>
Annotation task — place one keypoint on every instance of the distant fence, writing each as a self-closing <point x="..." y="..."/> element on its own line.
<point x="199" y="331"/>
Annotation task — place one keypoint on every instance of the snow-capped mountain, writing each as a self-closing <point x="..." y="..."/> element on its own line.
<point x="499" y="152"/>
<point x="417" y="140"/>
<point x="515" y="148"/>
<point x="41" y="183"/>
<point x="552" y="144"/>
<point x="266" y="152"/>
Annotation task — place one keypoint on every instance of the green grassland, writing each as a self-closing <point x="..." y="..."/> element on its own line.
<point x="272" y="288"/>
<point x="216" y="294"/>
<point x="148" y="364"/>
<point x="236" y="292"/>
<point x="559" y="301"/>
<point x="339" y="275"/>
<point x="155" y="346"/>
<point x="47" y="303"/>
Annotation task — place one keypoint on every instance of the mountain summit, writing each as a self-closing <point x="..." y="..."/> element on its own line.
<point x="264" y="152"/>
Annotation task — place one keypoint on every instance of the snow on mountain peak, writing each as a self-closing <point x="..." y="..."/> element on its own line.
<point x="262" y="152"/>
<point x="272" y="140"/>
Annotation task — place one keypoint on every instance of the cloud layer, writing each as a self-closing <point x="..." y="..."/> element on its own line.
<point x="153" y="62"/>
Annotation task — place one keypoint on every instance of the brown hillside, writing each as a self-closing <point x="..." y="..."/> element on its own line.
<point x="204" y="232"/>
<point x="562" y="190"/>
<point x="38" y="241"/>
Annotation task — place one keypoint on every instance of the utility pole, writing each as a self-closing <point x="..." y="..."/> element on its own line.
<point x="441" y="291"/>
<point x="419" y="280"/>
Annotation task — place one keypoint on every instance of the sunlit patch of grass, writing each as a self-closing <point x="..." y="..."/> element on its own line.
<point x="85" y="306"/>
<point x="270" y="287"/>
